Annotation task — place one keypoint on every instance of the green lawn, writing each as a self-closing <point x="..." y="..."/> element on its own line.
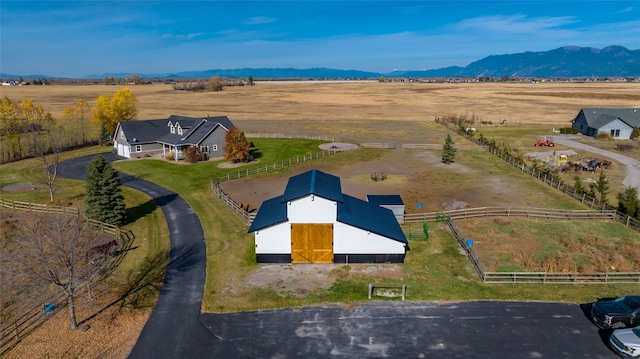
<point x="435" y="269"/>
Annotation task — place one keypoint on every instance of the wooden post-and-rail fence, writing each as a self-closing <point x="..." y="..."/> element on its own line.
<point x="16" y="329"/>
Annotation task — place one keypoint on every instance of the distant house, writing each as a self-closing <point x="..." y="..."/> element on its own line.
<point x="615" y="122"/>
<point x="314" y="222"/>
<point x="136" y="139"/>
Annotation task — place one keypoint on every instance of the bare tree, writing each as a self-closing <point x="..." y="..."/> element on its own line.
<point x="50" y="163"/>
<point x="58" y="249"/>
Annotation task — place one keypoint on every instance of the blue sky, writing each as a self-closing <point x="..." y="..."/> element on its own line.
<point x="78" y="38"/>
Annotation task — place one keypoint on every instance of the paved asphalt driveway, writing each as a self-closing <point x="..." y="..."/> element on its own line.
<point x="176" y="329"/>
<point x="174" y="321"/>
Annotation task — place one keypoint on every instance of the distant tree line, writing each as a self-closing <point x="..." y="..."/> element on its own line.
<point x="212" y="84"/>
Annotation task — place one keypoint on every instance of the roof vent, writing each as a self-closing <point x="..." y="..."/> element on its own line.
<point x="135" y="139"/>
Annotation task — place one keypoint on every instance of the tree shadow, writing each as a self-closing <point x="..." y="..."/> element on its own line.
<point x="256" y="153"/>
<point x="185" y="257"/>
<point x="140" y="283"/>
<point x="140" y="211"/>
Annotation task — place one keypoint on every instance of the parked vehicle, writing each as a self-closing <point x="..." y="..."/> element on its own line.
<point x="621" y="312"/>
<point x="626" y="342"/>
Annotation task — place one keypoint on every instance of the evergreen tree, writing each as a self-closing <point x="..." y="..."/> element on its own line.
<point x="602" y="187"/>
<point x="104" y="200"/>
<point x="578" y="187"/>
<point x="628" y="202"/>
<point x="448" y="150"/>
<point x="105" y="137"/>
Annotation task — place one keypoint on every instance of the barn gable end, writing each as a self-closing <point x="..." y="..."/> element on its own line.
<point x="314" y="222"/>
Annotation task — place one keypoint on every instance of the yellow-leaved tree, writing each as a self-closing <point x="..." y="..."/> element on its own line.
<point x="111" y="109"/>
<point x="77" y="116"/>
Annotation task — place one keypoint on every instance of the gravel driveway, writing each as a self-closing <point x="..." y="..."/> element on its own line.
<point x="632" y="175"/>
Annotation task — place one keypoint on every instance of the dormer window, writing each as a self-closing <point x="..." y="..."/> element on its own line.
<point x="179" y="130"/>
<point x="173" y="129"/>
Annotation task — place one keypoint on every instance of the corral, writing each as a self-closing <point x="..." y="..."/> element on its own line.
<point x="371" y="112"/>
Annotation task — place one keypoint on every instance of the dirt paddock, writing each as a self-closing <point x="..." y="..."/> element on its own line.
<point x="408" y="175"/>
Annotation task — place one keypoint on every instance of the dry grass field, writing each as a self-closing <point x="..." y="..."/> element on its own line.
<point x="549" y="103"/>
<point x="350" y="111"/>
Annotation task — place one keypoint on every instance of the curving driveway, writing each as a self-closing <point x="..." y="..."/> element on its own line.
<point x="174" y="321"/>
<point x="177" y="329"/>
<point x="632" y="176"/>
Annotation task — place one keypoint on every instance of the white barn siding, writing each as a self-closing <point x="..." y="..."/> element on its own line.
<point x="312" y="209"/>
<point x="274" y="240"/>
<point x="353" y="240"/>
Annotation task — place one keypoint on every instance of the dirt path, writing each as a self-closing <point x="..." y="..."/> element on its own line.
<point x="632" y="174"/>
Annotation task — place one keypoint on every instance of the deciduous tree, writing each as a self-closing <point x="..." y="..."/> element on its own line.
<point x="79" y="114"/>
<point x="237" y="148"/>
<point x="57" y="249"/>
<point x="111" y="109"/>
<point x="214" y="84"/>
<point x="104" y="200"/>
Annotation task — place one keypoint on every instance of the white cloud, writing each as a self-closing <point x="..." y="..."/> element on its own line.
<point x="513" y="24"/>
<point x="257" y="20"/>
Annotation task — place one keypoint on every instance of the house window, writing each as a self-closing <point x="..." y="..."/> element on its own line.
<point x="179" y="130"/>
<point x="215" y="148"/>
<point x="173" y="129"/>
<point x="615" y="133"/>
<point x="204" y="149"/>
<point x="138" y="148"/>
<point x="122" y="135"/>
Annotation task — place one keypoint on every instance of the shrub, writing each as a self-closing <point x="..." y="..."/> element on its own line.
<point x="191" y="154"/>
<point x="624" y="147"/>
<point x="568" y="131"/>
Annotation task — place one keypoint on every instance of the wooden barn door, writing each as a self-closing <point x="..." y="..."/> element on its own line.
<point x="311" y="243"/>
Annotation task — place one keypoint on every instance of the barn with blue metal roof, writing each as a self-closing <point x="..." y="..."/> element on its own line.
<point x="314" y="222"/>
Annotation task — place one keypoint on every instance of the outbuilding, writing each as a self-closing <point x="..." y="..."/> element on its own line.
<point x="314" y="222"/>
<point x="392" y="202"/>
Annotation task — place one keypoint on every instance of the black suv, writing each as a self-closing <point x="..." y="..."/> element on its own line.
<point x="617" y="313"/>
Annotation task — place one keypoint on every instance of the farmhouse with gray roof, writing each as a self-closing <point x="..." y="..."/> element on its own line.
<point x="314" y="222"/>
<point x="615" y="122"/>
<point x="136" y="139"/>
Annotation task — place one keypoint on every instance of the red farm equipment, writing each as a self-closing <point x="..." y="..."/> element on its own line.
<point x="545" y="141"/>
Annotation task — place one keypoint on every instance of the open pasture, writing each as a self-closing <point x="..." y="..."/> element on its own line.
<point x="358" y="111"/>
<point x="544" y="103"/>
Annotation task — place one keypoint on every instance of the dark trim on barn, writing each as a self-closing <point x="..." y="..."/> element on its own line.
<point x="368" y="258"/>
<point x="273" y="258"/>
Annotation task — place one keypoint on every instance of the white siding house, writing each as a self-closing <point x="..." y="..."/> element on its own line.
<point x="314" y="222"/>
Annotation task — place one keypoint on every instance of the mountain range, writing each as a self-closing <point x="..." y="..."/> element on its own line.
<point x="564" y="62"/>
